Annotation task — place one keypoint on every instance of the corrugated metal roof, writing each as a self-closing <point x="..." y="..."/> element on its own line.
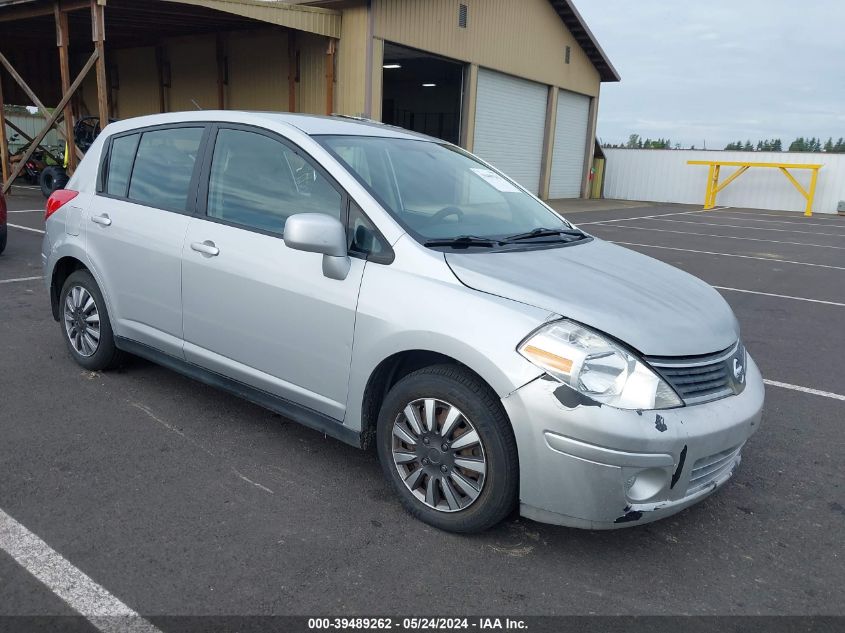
<point x="585" y="38"/>
<point x="302" y="18"/>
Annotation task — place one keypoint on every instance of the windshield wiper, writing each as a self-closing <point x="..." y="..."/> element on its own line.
<point x="544" y="232"/>
<point x="461" y="241"/>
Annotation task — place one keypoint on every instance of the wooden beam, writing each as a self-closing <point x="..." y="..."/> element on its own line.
<point x="4" y="141"/>
<point x="29" y="93"/>
<point x="12" y="15"/>
<point x="293" y="70"/>
<point x="330" y="60"/>
<point x="51" y="121"/>
<point x="98" y="34"/>
<point x="62" y="40"/>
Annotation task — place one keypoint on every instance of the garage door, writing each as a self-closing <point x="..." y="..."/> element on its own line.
<point x="510" y="118"/>
<point x="573" y="115"/>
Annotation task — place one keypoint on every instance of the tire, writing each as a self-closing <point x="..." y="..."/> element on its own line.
<point x="52" y="178"/>
<point x="449" y="503"/>
<point x="3" y="236"/>
<point x="78" y="288"/>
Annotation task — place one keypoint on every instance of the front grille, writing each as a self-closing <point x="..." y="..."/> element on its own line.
<point x="698" y="379"/>
<point x="708" y="469"/>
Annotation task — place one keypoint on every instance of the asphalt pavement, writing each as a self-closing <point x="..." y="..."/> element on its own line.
<point x="179" y="499"/>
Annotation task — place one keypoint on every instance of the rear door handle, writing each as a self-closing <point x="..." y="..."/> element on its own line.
<point x="102" y="220"/>
<point x="206" y="248"/>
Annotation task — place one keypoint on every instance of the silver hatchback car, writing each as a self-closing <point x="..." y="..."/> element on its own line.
<point x="392" y="290"/>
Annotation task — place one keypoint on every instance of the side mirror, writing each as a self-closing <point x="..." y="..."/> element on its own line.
<point x="320" y="233"/>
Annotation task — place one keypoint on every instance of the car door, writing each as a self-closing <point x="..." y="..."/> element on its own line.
<point x="254" y="309"/>
<point x="136" y="226"/>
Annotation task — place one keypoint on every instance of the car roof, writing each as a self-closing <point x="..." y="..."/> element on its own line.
<point x="312" y="125"/>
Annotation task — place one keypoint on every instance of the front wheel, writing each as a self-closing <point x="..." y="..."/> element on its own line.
<point x="446" y="445"/>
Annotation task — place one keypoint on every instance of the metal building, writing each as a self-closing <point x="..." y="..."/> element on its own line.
<point x="515" y="81"/>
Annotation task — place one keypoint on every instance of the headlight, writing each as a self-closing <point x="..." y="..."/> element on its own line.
<point x="597" y="367"/>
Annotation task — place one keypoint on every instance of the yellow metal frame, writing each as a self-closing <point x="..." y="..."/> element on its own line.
<point x="714" y="187"/>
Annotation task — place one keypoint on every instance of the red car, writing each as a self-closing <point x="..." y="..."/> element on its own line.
<point x="3" y="228"/>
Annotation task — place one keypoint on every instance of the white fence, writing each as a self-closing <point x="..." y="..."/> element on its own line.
<point x="664" y="176"/>
<point x="31" y="125"/>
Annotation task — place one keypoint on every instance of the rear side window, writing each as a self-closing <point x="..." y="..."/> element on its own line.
<point x="120" y="164"/>
<point x="164" y="166"/>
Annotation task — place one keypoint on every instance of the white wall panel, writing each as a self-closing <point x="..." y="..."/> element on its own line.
<point x="664" y="176"/>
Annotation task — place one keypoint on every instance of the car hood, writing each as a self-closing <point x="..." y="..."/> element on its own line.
<point x="653" y="307"/>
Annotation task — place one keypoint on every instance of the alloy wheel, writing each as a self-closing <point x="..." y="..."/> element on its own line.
<point x="82" y="321"/>
<point x="439" y="454"/>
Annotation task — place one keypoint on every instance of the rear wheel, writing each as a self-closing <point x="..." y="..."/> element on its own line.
<point x="52" y="178"/>
<point x="447" y="447"/>
<point x="85" y="323"/>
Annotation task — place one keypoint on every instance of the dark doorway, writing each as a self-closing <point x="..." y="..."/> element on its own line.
<point x="422" y="92"/>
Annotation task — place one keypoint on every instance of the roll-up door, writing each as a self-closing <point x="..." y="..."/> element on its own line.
<point x="510" y="119"/>
<point x="573" y="115"/>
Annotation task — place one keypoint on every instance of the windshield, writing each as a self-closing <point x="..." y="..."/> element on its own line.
<point x="437" y="191"/>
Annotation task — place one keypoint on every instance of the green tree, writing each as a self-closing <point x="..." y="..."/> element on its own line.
<point x="633" y="141"/>
<point x="798" y="145"/>
<point x="777" y="145"/>
<point x="828" y="146"/>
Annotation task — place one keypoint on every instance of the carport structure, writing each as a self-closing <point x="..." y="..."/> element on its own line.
<point x="157" y="56"/>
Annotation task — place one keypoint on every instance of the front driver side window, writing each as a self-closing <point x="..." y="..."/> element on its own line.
<point x="258" y="182"/>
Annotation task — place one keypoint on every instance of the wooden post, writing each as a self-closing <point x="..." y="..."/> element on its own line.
<point x="98" y="32"/>
<point x="4" y="141"/>
<point x="293" y="70"/>
<point x="64" y="68"/>
<point x="330" y="57"/>
<point x="221" y="73"/>
<point x="162" y="80"/>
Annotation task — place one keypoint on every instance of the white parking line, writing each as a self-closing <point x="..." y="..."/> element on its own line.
<point x="27" y="211"/>
<point x="729" y="217"/>
<point x="13" y="281"/>
<point x="750" y="228"/>
<point x="764" y="259"/>
<point x="815" y="392"/>
<point x="794" y="214"/>
<point x="83" y="595"/>
<point x="727" y="237"/>
<point x="25" y="228"/>
<point x="642" y="217"/>
<point x="771" y="294"/>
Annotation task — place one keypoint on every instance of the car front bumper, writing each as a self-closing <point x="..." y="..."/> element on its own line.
<point x="593" y="466"/>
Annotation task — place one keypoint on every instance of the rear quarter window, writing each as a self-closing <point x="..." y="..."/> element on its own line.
<point x="120" y="164"/>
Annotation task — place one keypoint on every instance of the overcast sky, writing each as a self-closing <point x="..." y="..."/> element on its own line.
<point x="721" y="70"/>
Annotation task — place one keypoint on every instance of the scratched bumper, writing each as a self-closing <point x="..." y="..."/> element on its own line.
<point x="598" y="467"/>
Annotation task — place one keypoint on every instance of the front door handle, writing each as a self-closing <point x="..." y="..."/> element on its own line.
<point x="102" y="220"/>
<point x="207" y="248"/>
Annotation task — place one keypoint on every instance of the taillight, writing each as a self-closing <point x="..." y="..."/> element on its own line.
<point x="59" y="199"/>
